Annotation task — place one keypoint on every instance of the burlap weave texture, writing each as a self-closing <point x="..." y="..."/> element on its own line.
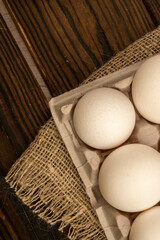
<point x="45" y="178"/>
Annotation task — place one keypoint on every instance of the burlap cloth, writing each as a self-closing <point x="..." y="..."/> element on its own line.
<point x="44" y="177"/>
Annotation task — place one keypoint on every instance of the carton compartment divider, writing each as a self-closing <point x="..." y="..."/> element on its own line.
<point x="87" y="160"/>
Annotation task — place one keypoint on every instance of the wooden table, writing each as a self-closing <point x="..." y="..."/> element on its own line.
<point x="47" y="48"/>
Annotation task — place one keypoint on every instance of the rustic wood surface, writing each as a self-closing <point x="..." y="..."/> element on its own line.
<point x="23" y="48"/>
<point x="153" y="7"/>
<point x="67" y="40"/>
<point x="23" y="106"/>
<point x="70" y="39"/>
<point x="23" y="109"/>
<point x="17" y="222"/>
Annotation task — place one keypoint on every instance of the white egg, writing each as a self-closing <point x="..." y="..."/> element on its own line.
<point x="129" y="178"/>
<point x="146" y="89"/>
<point x="147" y="225"/>
<point x="104" y="118"/>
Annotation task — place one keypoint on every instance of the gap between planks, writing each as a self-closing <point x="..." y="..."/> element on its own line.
<point x="24" y="50"/>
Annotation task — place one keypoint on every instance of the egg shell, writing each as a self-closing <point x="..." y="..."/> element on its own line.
<point x="104" y="118"/>
<point x="83" y="156"/>
<point x="146" y="89"/>
<point x="146" y="226"/>
<point x="130" y="176"/>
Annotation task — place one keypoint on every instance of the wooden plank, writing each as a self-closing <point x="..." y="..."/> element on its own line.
<point x="17" y="222"/>
<point x="23" y="48"/>
<point x="8" y="154"/>
<point x="23" y="106"/>
<point x="70" y="39"/>
<point x="23" y="109"/>
<point x="153" y="7"/>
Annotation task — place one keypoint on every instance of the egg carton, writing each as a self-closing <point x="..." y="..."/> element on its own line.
<point x="116" y="224"/>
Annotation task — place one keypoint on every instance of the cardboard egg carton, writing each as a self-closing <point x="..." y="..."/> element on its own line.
<point x="116" y="224"/>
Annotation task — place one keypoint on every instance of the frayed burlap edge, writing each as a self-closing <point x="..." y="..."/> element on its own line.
<point x="44" y="177"/>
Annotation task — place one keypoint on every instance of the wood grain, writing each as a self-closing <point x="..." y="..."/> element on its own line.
<point x="17" y="222"/>
<point x="23" y="106"/>
<point x="70" y="39"/>
<point x="8" y="154"/>
<point x="23" y="48"/>
<point x="153" y="7"/>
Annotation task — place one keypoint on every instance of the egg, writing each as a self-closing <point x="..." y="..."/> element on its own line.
<point x="104" y="118"/>
<point x="129" y="178"/>
<point x="147" y="225"/>
<point x="146" y="89"/>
